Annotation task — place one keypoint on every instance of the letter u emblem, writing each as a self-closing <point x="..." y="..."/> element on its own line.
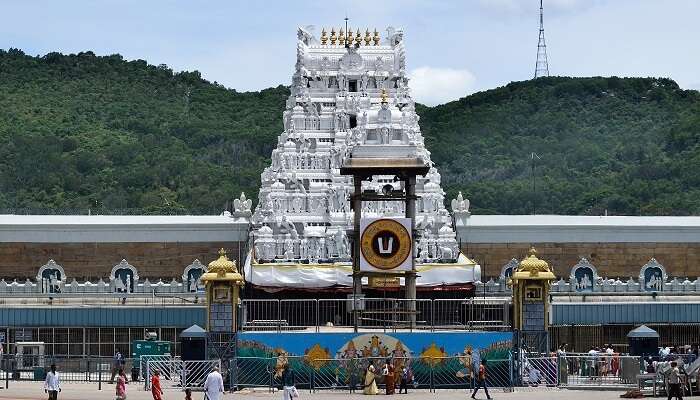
<point x="389" y="246"/>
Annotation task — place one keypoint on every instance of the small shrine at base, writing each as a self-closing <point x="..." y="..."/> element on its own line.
<point x="222" y="285"/>
<point x="531" y="282"/>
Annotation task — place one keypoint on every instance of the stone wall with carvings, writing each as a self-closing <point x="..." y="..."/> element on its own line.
<point x="612" y="260"/>
<point x="93" y="261"/>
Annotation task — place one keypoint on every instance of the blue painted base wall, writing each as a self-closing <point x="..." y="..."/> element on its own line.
<point x="128" y="316"/>
<point x="338" y="345"/>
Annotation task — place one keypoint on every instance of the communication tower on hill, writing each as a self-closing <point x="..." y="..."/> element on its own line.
<point x="541" y="66"/>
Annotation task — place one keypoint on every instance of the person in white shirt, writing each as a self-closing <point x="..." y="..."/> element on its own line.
<point x="214" y="385"/>
<point x="52" y="384"/>
<point x="591" y="362"/>
<point x="674" y="382"/>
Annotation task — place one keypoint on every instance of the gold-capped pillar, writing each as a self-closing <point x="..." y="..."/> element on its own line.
<point x="222" y="284"/>
<point x="531" y="283"/>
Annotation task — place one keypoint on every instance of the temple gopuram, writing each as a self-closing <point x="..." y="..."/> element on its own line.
<point x="348" y="89"/>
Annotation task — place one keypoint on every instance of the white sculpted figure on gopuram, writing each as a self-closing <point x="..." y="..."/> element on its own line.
<point x="341" y="97"/>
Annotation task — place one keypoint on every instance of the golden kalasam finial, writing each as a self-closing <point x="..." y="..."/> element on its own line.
<point x="324" y="37"/>
<point x="222" y="265"/>
<point x="358" y="38"/>
<point x="368" y="38"/>
<point x="532" y="264"/>
<point x="341" y="38"/>
<point x="334" y="38"/>
<point x="376" y="37"/>
<point x="385" y="97"/>
<point x="350" y="38"/>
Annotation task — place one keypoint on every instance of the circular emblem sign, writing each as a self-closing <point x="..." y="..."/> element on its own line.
<point x="385" y="244"/>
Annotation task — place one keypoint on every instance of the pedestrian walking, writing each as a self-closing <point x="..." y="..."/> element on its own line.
<point x="121" y="385"/>
<point x="188" y="394"/>
<point x="289" y="389"/>
<point x="370" y="386"/>
<point x="156" y="390"/>
<point x="674" y="382"/>
<point x="52" y="384"/>
<point x="117" y="363"/>
<point x="405" y="380"/>
<point x="353" y="375"/>
<point x="481" y="380"/>
<point x="214" y="385"/>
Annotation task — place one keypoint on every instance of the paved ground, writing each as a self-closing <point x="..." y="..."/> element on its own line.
<point x="83" y="391"/>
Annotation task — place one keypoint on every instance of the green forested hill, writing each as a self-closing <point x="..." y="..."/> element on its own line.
<point x="80" y="131"/>
<point x="629" y="146"/>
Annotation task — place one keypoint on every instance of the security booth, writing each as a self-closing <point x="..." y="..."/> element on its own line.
<point x="193" y="343"/>
<point x="29" y="357"/>
<point x="643" y="342"/>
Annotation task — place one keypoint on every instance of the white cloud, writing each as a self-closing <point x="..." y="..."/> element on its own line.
<point x="432" y="86"/>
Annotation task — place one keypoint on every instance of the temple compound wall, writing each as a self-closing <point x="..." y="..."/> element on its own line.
<point x="161" y="248"/>
<point x="94" y="248"/>
<point x="617" y="246"/>
<point x="94" y="261"/>
<point x="612" y="260"/>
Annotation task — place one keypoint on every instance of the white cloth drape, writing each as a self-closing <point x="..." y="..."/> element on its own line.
<point x="340" y="274"/>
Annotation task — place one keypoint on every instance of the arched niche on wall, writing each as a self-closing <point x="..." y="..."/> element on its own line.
<point x="191" y="276"/>
<point x="507" y="270"/>
<point x="584" y="276"/>
<point x="51" y="277"/>
<point x="652" y="276"/>
<point x="124" y="277"/>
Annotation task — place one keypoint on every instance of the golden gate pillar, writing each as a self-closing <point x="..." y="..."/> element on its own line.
<point x="222" y="284"/>
<point x="531" y="282"/>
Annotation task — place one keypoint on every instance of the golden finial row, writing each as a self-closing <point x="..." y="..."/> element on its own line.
<point x="340" y="38"/>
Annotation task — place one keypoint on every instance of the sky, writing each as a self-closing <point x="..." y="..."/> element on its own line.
<point x="453" y="48"/>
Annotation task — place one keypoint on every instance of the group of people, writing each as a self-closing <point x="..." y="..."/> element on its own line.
<point x="600" y="361"/>
<point x="404" y="377"/>
<point x="390" y="376"/>
<point x="213" y="386"/>
<point x="690" y="352"/>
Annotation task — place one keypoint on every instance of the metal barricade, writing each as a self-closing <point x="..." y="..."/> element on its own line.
<point x="261" y="315"/>
<point x="388" y="314"/>
<point x="143" y="364"/>
<point x="472" y="313"/>
<point x="254" y="371"/>
<point x="598" y="370"/>
<point x="536" y="371"/>
<point x="194" y="372"/>
<point x="70" y="368"/>
<point x="299" y="314"/>
<point x="352" y="373"/>
<point x="170" y="372"/>
<point x="335" y="312"/>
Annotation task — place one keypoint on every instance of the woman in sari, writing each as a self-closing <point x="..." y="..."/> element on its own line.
<point x="121" y="385"/>
<point x="370" y="381"/>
